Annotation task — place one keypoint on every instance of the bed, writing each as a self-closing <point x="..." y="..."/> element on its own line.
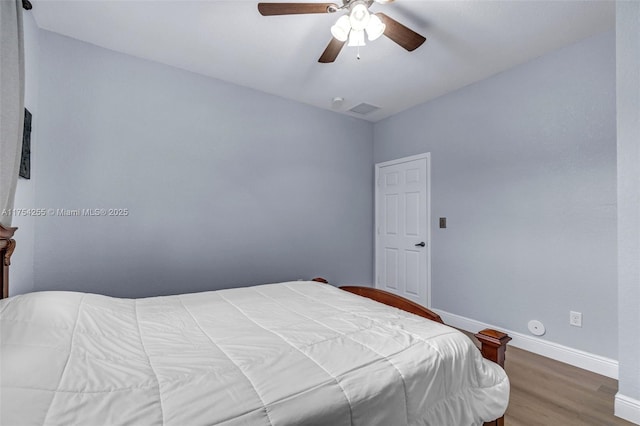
<point x="293" y="353"/>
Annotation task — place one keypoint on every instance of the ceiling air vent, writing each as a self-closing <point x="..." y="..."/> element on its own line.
<point x="364" y="108"/>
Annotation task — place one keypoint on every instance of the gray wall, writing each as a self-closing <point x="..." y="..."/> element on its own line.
<point x="524" y="168"/>
<point x="628" y="88"/>
<point x="22" y="259"/>
<point x="225" y="186"/>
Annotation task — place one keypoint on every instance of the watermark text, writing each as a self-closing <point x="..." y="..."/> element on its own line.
<point x="43" y="212"/>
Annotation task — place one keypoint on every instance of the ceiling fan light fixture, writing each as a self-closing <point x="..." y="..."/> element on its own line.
<point x="359" y="16"/>
<point x="356" y="38"/>
<point x="340" y="30"/>
<point x="375" y="28"/>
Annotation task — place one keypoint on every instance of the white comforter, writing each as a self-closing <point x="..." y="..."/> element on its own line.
<point x="297" y="353"/>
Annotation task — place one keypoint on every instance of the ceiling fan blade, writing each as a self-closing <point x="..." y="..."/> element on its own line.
<point x="402" y="35"/>
<point x="331" y="52"/>
<point x="269" y="9"/>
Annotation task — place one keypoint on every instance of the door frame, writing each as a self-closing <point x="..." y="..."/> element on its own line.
<point x="376" y="225"/>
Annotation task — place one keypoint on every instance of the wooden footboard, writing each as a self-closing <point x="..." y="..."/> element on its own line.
<point x="493" y="343"/>
<point x="7" y="245"/>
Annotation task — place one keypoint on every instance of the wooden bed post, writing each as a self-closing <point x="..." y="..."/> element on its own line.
<point x="493" y="347"/>
<point x="7" y="245"/>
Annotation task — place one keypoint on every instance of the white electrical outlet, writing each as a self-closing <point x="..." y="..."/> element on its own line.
<point x="575" y="318"/>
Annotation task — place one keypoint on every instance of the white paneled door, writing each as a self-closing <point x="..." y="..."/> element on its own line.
<point x="402" y="228"/>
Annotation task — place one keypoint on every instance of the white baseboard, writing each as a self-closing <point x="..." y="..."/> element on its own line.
<point x="627" y="408"/>
<point x="588" y="361"/>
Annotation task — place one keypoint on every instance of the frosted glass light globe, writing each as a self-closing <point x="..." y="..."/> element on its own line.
<point x="341" y="28"/>
<point x="359" y="17"/>
<point x="375" y="28"/>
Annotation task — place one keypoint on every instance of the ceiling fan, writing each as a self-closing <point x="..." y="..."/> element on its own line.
<point x="352" y="26"/>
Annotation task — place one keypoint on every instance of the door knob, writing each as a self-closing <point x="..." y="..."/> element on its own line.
<point x="422" y="244"/>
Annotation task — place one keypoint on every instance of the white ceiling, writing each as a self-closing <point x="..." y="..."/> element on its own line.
<point x="466" y="41"/>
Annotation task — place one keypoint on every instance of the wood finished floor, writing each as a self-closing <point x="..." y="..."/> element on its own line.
<point x="546" y="392"/>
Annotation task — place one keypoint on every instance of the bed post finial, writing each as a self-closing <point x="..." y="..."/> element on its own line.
<point x="494" y="345"/>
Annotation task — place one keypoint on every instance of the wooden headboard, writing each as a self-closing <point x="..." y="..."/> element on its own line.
<point x="7" y="245"/>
